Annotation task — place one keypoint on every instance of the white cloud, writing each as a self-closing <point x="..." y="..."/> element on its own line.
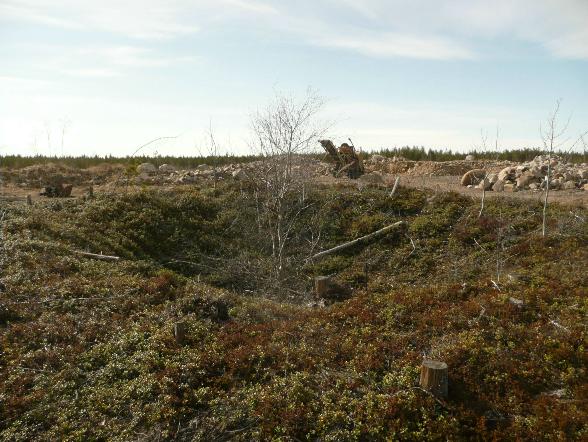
<point x="382" y="28"/>
<point x="397" y="45"/>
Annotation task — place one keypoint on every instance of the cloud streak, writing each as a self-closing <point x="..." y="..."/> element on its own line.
<point x="426" y="29"/>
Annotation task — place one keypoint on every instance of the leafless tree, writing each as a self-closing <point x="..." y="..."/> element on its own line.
<point x="213" y="150"/>
<point x="65" y="123"/>
<point x="484" y="137"/>
<point x="283" y="130"/>
<point x="553" y="135"/>
<point x="552" y="139"/>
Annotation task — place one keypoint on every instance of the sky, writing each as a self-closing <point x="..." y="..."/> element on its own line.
<point x="105" y="77"/>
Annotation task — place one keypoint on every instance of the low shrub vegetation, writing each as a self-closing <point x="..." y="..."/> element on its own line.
<point x="87" y="350"/>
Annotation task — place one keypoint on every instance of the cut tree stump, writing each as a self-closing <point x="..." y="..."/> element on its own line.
<point x="322" y="285"/>
<point x="434" y="377"/>
<point x="180" y="329"/>
<point x="29" y="200"/>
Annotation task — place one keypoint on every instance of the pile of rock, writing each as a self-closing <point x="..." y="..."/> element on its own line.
<point x="531" y="176"/>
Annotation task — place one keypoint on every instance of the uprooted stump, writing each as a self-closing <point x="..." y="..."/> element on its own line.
<point x="57" y="191"/>
<point x="345" y="158"/>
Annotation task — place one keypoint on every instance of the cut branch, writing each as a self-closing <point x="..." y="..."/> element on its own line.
<point x="98" y="256"/>
<point x="372" y="235"/>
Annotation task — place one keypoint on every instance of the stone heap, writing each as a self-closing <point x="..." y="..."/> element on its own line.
<point x="531" y="176"/>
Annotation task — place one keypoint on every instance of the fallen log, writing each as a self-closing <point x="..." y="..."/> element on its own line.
<point x="368" y="237"/>
<point x="98" y="256"/>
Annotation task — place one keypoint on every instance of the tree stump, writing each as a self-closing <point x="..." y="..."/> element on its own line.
<point x="434" y="377"/>
<point x="91" y="192"/>
<point x="29" y="200"/>
<point x="180" y="329"/>
<point x="322" y="285"/>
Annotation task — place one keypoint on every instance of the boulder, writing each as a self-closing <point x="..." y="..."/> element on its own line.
<point x="555" y="184"/>
<point x="473" y="177"/>
<point x="239" y="174"/>
<point x="485" y="184"/>
<point x="525" y="179"/>
<point x="498" y="186"/>
<point x="510" y="187"/>
<point x="373" y="178"/>
<point x="585" y="187"/>
<point x="167" y="168"/>
<point x="375" y="158"/>
<point x="203" y="167"/>
<point x="147" y="168"/>
<point x="506" y="173"/>
<point x="538" y="171"/>
<point x="569" y="185"/>
<point x="492" y="177"/>
<point x="470" y="157"/>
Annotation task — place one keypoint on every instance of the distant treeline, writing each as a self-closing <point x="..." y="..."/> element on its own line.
<point x="83" y="161"/>
<point x="410" y="153"/>
<point x="519" y="155"/>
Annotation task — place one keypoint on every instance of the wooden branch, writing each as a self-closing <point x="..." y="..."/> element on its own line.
<point x="98" y="256"/>
<point x="395" y="186"/>
<point x="372" y="235"/>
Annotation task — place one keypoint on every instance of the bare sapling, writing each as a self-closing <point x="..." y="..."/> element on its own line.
<point x="551" y="136"/>
<point x="484" y="182"/>
<point x="283" y="131"/>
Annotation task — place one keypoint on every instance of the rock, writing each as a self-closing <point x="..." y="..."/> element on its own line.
<point x="506" y="173"/>
<point x="498" y="186"/>
<point x="525" y="179"/>
<point x="492" y="177"/>
<point x="146" y="168"/>
<point x="534" y="186"/>
<point x="375" y="158"/>
<point x="485" y="184"/>
<point x="473" y="177"/>
<point x="569" y="185"/>
<point x="167" y="168"/>
<point x="516" y="302"/>
<point x="203" y="167"/>
<point x="538" y="171"/>
<point x="239" y="174"/>
<point x="142" y="177"/>
<point x="555" y="184"/>
<point x="470" y="157"/>
<point x="374" y="178"/>
<point x="510" y="187"/>
<point x="585" y="187"/>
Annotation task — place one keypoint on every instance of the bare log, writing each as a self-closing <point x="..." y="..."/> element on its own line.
<point x="98" y="256"/>
<point x="434" y="377"/>
<point x="368" y="237"/>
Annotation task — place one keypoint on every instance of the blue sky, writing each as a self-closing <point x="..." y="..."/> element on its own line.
<point x="81" y="77"/>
